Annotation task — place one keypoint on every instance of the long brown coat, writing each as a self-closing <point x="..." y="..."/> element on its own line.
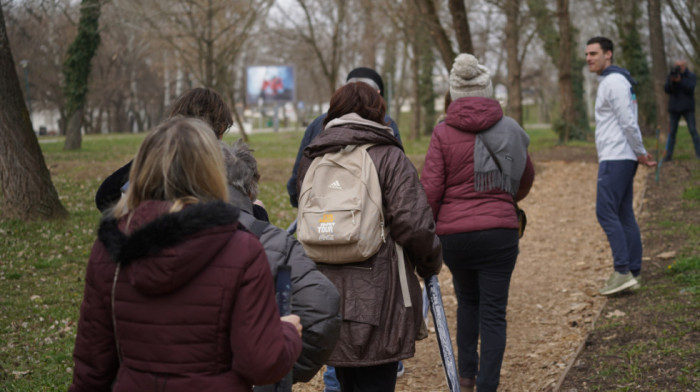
<point x="377" y="326"/>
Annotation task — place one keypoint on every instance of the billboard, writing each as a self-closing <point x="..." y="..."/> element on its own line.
<point x="272" y="83"/>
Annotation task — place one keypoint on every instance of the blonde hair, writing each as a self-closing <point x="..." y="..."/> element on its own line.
<point x="179" y="161"/>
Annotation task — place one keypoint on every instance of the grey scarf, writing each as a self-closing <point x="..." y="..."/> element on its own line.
<point x="500" y="155"/>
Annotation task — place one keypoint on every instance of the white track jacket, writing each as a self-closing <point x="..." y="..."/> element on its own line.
<point x="617" y="133"/>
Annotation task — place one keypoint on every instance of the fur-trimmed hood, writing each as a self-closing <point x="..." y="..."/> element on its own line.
<point x="165" y="250"/>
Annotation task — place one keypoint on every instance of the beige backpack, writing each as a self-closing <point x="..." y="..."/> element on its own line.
<point x="340" y="218"/>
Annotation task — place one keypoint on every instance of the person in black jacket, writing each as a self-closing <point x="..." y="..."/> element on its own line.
<point x="203" y="103"/>
<point x="315" y="300"/>
<point x="680" y="86"/>
<point x="360" y="74"/>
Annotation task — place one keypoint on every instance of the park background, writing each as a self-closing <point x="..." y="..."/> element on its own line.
<point x="94" y="75"/>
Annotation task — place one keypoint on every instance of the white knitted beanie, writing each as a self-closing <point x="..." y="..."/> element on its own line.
<point x="468" y="78"/>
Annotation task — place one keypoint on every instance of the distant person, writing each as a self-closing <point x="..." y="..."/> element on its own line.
<point x="361" y="74"/>
<point x="315" y="299"/>
<point x="680" y="87"/>
<point x="476" y="166"/>
<point x="177" y="296"/>
<point x="379" y="328"/>
<point x="620" y="150"/>
<point x="202" y="103"/>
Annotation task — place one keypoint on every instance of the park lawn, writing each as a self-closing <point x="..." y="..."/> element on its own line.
<point x="42" y="264"/>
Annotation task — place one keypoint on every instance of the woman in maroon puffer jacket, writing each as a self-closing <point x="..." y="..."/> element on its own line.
<point x="477" y="163"/>
<point x="177" y="296"/>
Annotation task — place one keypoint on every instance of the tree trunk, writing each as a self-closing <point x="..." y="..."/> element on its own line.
<point x="368" y="50"/>
<point x="415" y="81"/>
<point x="566" y="91"/>
<point x="514" y="106"/>
<point x="389" y="71"/>
<point x="73" y="133"/>
<point x="426" y="86"/>
<point x="77" y="67"/>
<point x="658" y="63"/>
<point x="633" y="58"/>
<point x="430" y="17"/>
<point x="461" y="26"/>
<point x="25" y="181"/>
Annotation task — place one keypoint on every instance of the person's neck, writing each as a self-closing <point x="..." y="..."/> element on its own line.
<point x="604" y="68"/>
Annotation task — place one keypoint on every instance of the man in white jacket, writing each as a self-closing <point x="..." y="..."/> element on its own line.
<point x="620" y="150"/>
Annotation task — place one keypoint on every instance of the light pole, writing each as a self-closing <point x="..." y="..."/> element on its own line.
<point x="24" y="64"/>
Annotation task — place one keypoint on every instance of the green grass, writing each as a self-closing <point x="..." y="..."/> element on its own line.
<point x="670" y="307"/>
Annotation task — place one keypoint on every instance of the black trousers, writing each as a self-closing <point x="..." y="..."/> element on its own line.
<point x="481" y="263"/>
<point x="378" y="378"/>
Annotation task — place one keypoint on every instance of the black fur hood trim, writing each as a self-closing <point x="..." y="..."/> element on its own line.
<point x="164" y="231"/>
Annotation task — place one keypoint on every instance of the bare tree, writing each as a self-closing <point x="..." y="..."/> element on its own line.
<point x="40" y="32"/>
<point x="323" y="30"/>
<point x="460" y="22"/>
<point x="206" y="36"/>
<point x="25" y="181"/>
<point x="397" y="54"/>
<point x="370" y="37"/>
<point x="658" y="62"/>
<point x="77" y="68"/>
<point x="514" y="106"/>
<point x="559" y="46"/>
<point x="627" y="18"/>
<point x="430" y="17"/>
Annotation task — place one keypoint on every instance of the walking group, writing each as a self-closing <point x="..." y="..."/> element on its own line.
<point x="180" y="285"/>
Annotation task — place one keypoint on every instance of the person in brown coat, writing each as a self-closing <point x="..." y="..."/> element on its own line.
<point x="178" y="297"/>
<point x="379" y="326"/>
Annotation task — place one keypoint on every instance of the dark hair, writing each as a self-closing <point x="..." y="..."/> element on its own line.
<point x="357" y="98"/>
<point x="605" y="43"/>
<point x="448" y="100"/>
<point x="207" y="105"/>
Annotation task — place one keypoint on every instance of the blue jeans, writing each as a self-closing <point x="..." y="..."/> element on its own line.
<point x="481" y="263"/>
<point x="615" y="214"/>
<point x="690" y="119"/>
<point x="330" y="380"/>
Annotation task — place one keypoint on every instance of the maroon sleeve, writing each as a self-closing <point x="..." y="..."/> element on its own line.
<point x="433" y="175"/>
<point x="95" y="353"/>
<point x="264" y="347"/>
<point x="526" y="180"/>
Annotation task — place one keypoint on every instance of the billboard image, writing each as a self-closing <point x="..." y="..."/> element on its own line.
<point x="272" y="83"/>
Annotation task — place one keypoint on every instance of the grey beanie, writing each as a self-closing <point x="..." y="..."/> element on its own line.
<point x="468" y="78"/>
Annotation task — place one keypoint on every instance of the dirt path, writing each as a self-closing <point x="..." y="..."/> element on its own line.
<point x="564" y="259"/>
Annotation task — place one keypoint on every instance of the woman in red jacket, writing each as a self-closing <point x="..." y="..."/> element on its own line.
<point x="177" y="296"/>
<point x="476" y="166"/>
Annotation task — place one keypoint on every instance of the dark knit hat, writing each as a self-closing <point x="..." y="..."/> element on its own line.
<point x="367" y="73"/>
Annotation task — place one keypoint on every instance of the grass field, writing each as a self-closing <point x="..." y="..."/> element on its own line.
<point x="42" y="264"/>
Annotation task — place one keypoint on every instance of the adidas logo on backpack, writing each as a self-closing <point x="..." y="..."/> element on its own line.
<point x="341" y="224"/>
